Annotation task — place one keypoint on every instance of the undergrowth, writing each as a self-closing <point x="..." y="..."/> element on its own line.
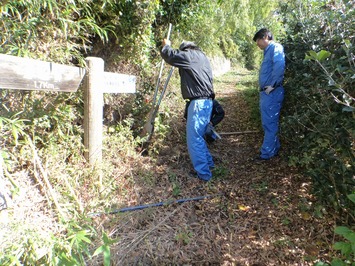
<point x="60" y="190"/>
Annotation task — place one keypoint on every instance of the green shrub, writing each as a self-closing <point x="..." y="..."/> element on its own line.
<point x="318" y="122"/>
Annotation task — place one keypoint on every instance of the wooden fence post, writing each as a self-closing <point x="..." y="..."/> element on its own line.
<point x="29" y="74"/>
<point x="93" y="110"/>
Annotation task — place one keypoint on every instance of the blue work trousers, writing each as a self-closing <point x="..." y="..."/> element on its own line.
<point x="270" y="107"/>
<point x="198" y="117"/>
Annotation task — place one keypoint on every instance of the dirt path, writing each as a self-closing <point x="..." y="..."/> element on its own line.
<point x="265" y="215"/>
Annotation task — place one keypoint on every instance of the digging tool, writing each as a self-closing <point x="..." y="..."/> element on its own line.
<point x="239" y="132"/>
<point x="215" y="132"/>
<point x="149" y="125"/>
<point x="141" y="207"/>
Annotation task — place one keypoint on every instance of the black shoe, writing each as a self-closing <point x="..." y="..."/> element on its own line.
<point x="261" y="159"/>
<point x="192" y="174"/>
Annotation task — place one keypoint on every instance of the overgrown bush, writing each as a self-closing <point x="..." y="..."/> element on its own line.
<point x="318" y="123"/>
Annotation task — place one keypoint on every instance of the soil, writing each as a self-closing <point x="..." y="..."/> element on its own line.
<point x="250" y="213"/>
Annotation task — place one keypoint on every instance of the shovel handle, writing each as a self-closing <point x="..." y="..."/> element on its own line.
<point x="162" y="62"/>
<point x="165" y="85"/>
<point x="161" y="70"/>
<point x="169" y="31"/>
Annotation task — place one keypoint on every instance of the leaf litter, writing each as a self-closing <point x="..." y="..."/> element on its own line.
<point x="263" y="213"/>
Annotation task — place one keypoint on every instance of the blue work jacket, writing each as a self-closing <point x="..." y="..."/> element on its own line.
<point x="273" y="66"/>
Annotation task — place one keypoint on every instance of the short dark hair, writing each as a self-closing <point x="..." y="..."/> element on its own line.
<point x="262" y="33"/>
<point x="188" y="45"/>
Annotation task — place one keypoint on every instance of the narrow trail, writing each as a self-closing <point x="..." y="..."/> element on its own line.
<point x="265" y="216"/>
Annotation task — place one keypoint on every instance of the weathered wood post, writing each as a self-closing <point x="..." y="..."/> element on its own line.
<point x="30" y="74"/>
<point x="93" y="110"/>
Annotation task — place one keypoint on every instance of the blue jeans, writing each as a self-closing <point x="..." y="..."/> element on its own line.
<point x="270" y="107"/>
<point x="198" y="117"/>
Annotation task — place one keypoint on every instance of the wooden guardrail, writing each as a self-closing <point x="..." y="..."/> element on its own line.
<point x="29" y="74"/>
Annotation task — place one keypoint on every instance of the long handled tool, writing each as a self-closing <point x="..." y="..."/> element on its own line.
<point x="141" y="207"/>
<point x="156" y="109"/>
<point x="149" y="125"/>
<point x="239" y="132"/>
<point x="215" y="132"/>
<point x="161" y="70"/>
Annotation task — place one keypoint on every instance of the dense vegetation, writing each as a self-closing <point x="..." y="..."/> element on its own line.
<point x="318" y="123"/>
<point x="320" y="108"/>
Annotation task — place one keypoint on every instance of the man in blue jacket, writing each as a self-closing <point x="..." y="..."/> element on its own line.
<point x="271" y="91"/>
<point x="196" y="85"/>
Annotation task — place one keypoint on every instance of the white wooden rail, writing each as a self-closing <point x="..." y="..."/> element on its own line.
<point x="28" y="74"/>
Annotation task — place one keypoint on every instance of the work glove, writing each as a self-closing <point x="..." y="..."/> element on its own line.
<point x="209" y="129"/>
<point x="268" y="89"/>
<point x="211" y="132"/>
<point x="166" y="42"/>
<point x="209" y="136"/>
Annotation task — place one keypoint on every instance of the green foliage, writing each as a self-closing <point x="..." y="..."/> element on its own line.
<point x="33" y="247"/>
<point x="220" y="172"/>
<point x="218" y="27"/>
<point x="105" y="249"/>
<point x="184" y="236"/>
<point x="251" y="96"/>
<point x="56" y="30"/>
<point x="176" y="188"/>
<point x="347" y="247"/>
<point x="12" y="129"/>
<point x="252" y="16"/>
<point x="318" y="122"/>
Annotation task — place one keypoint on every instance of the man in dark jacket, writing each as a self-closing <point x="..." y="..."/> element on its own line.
<point x="196" y="86"/>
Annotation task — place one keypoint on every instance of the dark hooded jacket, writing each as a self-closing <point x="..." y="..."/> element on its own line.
<point x="194" y="69"/>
